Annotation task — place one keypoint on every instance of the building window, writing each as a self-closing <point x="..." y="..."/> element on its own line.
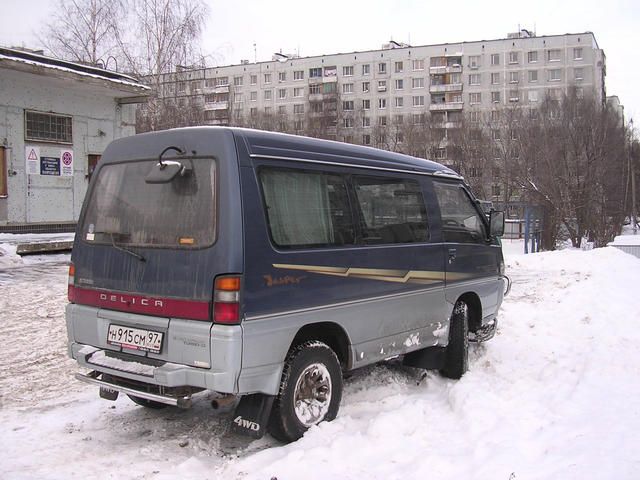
<point x="366" y="104"/>
<point x="347" y="71"/>
<point x="399" y="67"/>
<point x="418" y="101"/>
<point x="282" y="76"/>
<point x="532" y="57"/>
<point x="533" y="76"/>
<point x="495" y="190"/>
<point x="382" y="121"/>
<point x="253" y="79"/>
<point x="366" y="139"/>
<point x="514" y="96"/>
<point x="382" y="103"/>
<point x="532" y="95"/>
<point x="553" y="55"/>
<point x="348" y="122"/>
<point x="578" y="74"/>
<point x="399" y="101"/>
<point x="366" y="86"/>
<point x="298" y="75"/>
<point x="222" y="81"/>
<point x="282" y="110"/>
<point x="579" y="92"/>
<point x="577" y="53"/>
<point x="382" y="85"/>
<point x="399" y="84"/>
<point x="474" y="79"/>
<point x="474" y="116"/>
<point x="417" y="65"/>
<point x="253" y="96"/>
<point x="513" y="57"/>
<point x="495" y="97"/>
<point x="315" y="72"/>
<point x="298" y="108"/>
<point x="514" y="77"/>
<point x="495" y="59"/>
<point x="366" y="122"/>
<point x="495" y="78"/>
<point x="238" y="81"/>
<point x="347" y="88"/>
<point x="554" y="75"/>
<point x="268" y="110"/>
<point x="366" y="69"/>
<point x="298" y="92"/>
<point x="348" y="105"/>
<point x="382" y="67"/>
<point x="417" y="82"/>
<point x="314" y="89"/>
<point x="182" y="87"/>
<point x="47" y="127"/>
<point x="418" y="118"/>
<point x="267" y="95"/>
<point x="197" y="85"/>
<point x="267" y="78"/>
<point x="475" y="98"/>
<point x="282" y="93"/>
<point x="316" y="108"/>
<point x="474" y="61"/>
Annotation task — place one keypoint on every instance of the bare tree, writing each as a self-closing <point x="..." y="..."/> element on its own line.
<point x="84" y="30"/>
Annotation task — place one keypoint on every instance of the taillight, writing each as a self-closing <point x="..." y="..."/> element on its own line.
<point x="226" y="300"/>
<point x="71" y="294"/>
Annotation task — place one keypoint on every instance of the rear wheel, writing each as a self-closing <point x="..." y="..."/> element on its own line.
<point x="310" y="391"/>
<point x="143" y="402"/>
<point x="457" y="353"/>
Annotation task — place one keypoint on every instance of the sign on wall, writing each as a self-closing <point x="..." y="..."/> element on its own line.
<point x="32" y="154"/>
<point x="61" y="165"/>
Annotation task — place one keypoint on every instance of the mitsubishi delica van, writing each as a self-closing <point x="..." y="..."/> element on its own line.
<point x="261" y="266"/>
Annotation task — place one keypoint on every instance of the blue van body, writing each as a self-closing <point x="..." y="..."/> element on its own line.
<point x="384" y="283"/>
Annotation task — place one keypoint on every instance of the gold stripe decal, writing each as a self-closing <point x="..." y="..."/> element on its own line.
<point x="397" y="276"/>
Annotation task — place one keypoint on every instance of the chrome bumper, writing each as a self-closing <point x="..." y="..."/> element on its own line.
<point x="182" y="401"/>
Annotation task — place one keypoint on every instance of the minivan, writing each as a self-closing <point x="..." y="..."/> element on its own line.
<point x="262" y="266"/>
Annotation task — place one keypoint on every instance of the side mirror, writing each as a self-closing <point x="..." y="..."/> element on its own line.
<point x="496" y="223"/>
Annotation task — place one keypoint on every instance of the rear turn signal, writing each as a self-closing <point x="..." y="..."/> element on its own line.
<point x="226" y="300"/>
<point x="71" y="294"/>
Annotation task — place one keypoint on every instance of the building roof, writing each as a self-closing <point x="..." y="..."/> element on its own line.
<point x="32" y="62"/>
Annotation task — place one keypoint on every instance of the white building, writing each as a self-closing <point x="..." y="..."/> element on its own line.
<point x="56" y="118"/>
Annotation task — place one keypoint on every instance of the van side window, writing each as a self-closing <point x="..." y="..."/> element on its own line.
<point x="461" y="222"/>
<point x="306" y="209"/>
<point x="392" y="210"/>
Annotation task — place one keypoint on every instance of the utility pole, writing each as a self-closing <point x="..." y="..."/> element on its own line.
<point x="633" y="180"/>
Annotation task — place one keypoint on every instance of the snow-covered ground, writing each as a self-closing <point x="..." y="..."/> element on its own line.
<point x="555" y="395"/>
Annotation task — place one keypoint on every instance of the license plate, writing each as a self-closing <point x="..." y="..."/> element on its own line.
<point x="135" y="338"/>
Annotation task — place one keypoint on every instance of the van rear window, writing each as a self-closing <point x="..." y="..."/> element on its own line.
<point x="123" y="209"/>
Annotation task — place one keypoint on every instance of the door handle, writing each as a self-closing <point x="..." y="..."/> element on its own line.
<point x="452" y="255"/>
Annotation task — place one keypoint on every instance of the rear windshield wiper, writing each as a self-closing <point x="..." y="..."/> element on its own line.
<point x="120" y="247"/>
<point x="123" y="249"/>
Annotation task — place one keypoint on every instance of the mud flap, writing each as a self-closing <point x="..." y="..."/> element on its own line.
<point x="430" y="358"/>
<point x="252" y="415"/>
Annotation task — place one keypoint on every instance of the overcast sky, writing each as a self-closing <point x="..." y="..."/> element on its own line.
<point x="330" y="26"/>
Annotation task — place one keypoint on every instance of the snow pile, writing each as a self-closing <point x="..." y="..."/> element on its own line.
<point x="555" y="395"/>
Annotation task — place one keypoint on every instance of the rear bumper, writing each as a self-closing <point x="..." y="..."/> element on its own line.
<point x="182" y="401"/>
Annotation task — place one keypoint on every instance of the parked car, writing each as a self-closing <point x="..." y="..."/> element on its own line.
<point x="262" y="266"/>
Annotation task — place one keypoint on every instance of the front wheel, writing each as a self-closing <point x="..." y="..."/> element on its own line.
<point x="457" y="353"/>
<point x="310" y="391"/>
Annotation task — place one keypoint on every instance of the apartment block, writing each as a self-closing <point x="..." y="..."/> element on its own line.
<point x="353" y="94"/>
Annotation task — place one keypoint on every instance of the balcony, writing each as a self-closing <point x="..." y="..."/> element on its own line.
<point x="439" y="107"/>
<point x="221" y="89"/>
<point x="452" y="125"/>
<point x="217" y="105"/>
<point x="449" y="87"/>
<point x="445" y="69"/>
<point x="315" y="97"/>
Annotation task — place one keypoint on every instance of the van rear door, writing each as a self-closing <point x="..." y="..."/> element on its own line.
<point x="148" y="248"/>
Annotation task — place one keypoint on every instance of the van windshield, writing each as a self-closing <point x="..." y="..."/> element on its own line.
<point x="125" y="210"/>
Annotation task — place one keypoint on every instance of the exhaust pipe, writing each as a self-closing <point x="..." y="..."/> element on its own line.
<point x="224" y="402"/>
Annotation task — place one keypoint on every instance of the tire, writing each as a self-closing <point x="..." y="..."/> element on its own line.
<point x="310" y="391"/>
<point x="457" y="353"/>
<point x="143" y="402"/>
